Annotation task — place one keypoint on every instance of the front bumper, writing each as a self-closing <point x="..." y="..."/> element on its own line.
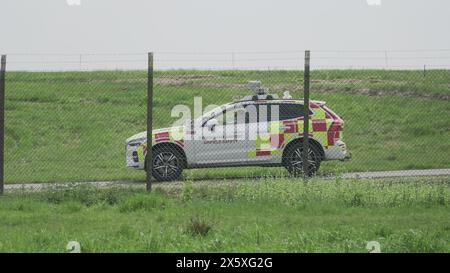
<point x="133" y="156"/>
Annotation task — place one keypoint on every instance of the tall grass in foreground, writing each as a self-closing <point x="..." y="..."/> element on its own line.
<point x="354" y="193"/>
<point x="404" y="215"/>
<point x="390" y="192"/>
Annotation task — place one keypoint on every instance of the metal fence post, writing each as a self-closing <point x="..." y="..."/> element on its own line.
<point x="149" y="156"/>
<point x="2" y="122"/>
<point x="306" y="116"/>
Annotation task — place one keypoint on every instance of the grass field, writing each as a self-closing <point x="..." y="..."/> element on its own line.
<point x="403" y="215"/>
<point x="71" y="126"/>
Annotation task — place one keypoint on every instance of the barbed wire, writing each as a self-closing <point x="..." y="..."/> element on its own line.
<point x="229" y="52"/>
<point x="228" y="60"/>
<point x="74" y="62"/>
<point x="266" y="60"/>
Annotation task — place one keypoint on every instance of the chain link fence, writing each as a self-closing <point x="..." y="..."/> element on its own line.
<point x="82" y="118"/>
<point x="66" y="124"/>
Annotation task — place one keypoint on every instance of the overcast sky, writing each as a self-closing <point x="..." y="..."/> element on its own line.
<point x="128" y="26"/>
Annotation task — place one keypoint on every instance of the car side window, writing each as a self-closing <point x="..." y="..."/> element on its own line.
<point x="286" y="111"/>
<point x="254" y="113"/>
<point x="258" y="113"/>
<point x="291" y="111"/>
<point x="233" y="116"/>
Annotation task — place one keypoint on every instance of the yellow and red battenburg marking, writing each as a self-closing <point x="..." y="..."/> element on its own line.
<point x="276" y="140"/>
<point x="321" y="129"/>
<point x="319" y="125"/>
<point x="290" y="126"/>
<point x="163" y="136"/>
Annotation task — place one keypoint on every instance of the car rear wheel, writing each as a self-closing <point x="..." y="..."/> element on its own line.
<point x="167" y="164"/>
<point x="293" y="160"/>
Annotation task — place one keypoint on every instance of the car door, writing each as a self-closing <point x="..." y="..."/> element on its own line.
<point x="223" y="139"/>
<point x="261" y="140"/>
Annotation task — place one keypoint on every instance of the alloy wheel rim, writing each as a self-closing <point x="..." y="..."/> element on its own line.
<point x="297" y="160"/>
<point x="165" y="164"/>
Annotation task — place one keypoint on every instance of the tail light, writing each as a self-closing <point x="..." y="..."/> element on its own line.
<point x="336" y="126"/>
<point x="334" y="133"/>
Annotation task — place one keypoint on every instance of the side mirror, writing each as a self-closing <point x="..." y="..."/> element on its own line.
<point x="211" y="124"/>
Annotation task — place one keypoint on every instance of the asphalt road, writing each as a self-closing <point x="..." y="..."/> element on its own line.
<point x="362" y="175"/>
<point x="408" y="173"/>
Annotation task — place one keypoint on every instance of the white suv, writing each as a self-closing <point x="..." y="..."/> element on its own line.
<point x="259" y="130"/>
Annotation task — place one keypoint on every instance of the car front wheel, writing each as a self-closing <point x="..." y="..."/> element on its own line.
<point x="167" y="164"/>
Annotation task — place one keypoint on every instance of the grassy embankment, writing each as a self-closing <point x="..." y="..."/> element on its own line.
<point x="71" y="126"/>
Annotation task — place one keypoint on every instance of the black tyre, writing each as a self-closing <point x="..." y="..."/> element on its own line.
<point x="293" y="160"/>
<point x="167" y="164"/>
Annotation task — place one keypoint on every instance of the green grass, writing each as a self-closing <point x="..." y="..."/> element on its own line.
<point x="404" y="215"/>
<point x="71" y="126"/>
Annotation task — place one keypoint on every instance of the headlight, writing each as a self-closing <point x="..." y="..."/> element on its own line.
<point x="136" y="142"/>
